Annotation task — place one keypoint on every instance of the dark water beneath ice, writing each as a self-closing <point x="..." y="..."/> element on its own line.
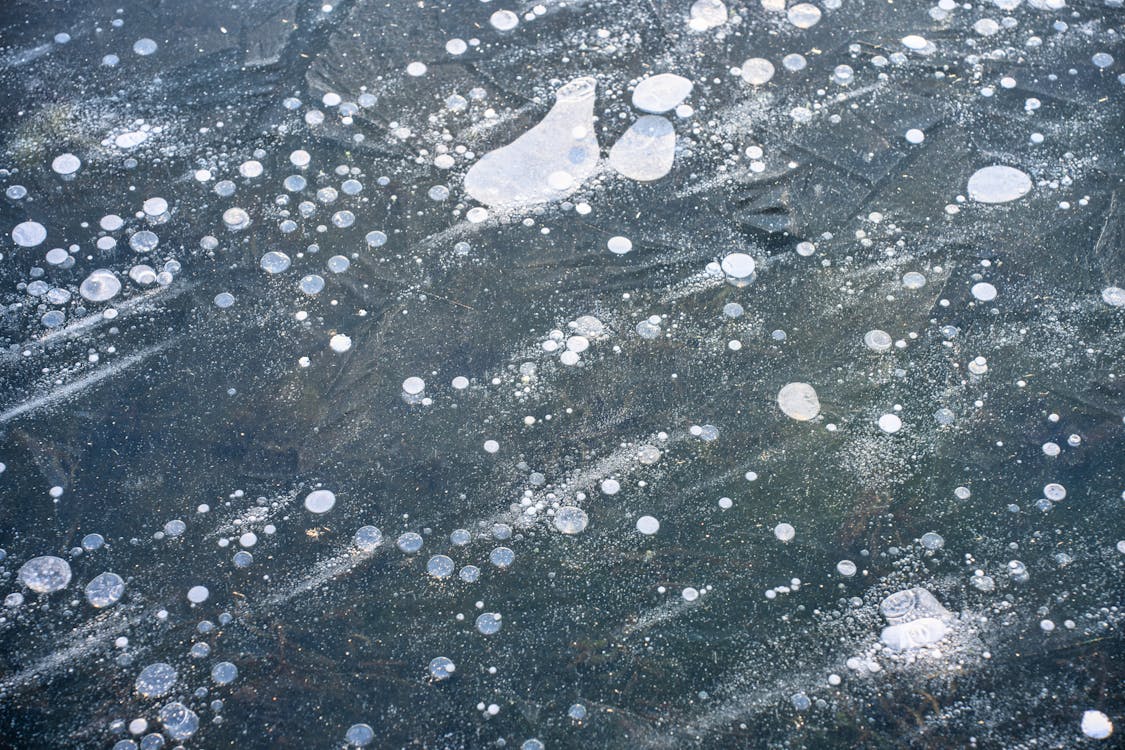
<point x="186" y="430"/>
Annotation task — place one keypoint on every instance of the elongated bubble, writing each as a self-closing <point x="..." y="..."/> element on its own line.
<point x="646" y="150"/>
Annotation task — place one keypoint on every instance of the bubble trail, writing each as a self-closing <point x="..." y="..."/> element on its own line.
<point x="144" y="302"/>
<point x="93" y="635"/>
<point x="69" y="390"/>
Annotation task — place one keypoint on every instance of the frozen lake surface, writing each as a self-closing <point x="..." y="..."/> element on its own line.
<point x="574" y="374"/>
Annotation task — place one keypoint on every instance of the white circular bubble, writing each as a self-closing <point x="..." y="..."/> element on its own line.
<point x="489" y="623"/>
<point x="312" y="284"/>
<point x="798" y="401"/>
<point x="442" y="668"/>
<point x="368" y="538"/>
<point x="571" y="520"/>
<point x="619" y="245"/>
<point x="913" y="280"/>
<point x="251" y="168"/>
<point x="360" y="735"/>
<point x="984" y="291"/>
<point x="155" y="680"/>
<point x="224" y="673"/>
<point x="320" y="501"/>
<point x="409" y="542"/>
<point x="738" y="266"/>
<point x="105" y="590"/>
<point x="804" y="15"/>
<point x="144" y="46"/>
<point x="101" y="285"/>
<point x="65" y="164"/>
<point x="155" y="207"/>
<point x="915" y="42"/>
<point x="794" y="62"/>
<point x="998" y="184"/>
<point x="135" y="138"/>
<point x="504" y="20"/>
<point x="1114" y="296"/>
<point x="45" y="574"/>
<point x="440" y="566"/>
<point x="275" y="261"/>
<point x="707" y="14"/>
<point x="179" y="721"/>
<point x="29" y="234"/>
<point x="660" y="93"/>
<point x="236" y="219"/>
<point x="502" y="557"/>
<point x="648" y="525"/>
<point x="932" y="540"/>
<point x="144" y="241"/>
<point x="877" y="340"/>
<point x="890" y="423"/>
<point x="1096" y="725"/>
<point x="757" y="71"/>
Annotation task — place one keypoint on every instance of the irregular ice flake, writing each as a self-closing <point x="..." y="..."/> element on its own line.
<point x="904" y="636"/>
<point x="546" y="163"/>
